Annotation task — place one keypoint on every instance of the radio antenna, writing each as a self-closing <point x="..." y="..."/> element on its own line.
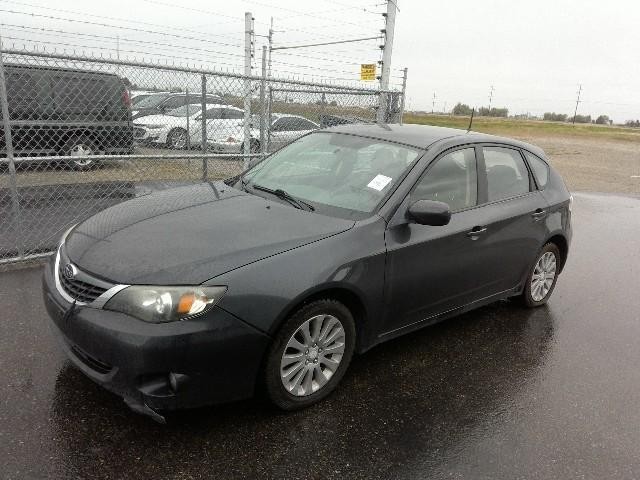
<point x="471" y="120"/>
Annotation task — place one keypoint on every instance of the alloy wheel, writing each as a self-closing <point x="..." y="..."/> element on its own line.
<point x="543" y="276"/>
<point x="179" y="140"/>
<point x="312" y="355"/>
<point x="81" y="150"/>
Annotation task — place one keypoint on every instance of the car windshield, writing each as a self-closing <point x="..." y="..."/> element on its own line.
<point x="152" y="100"/>
<point x="336" y="172"/>
<point x="184" y="111"/>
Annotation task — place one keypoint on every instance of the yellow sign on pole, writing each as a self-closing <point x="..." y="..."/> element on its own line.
<point x="368" y="71"/>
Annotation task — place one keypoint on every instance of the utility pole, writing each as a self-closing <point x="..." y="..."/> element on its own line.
<point x="490" y="98"/>
<point x="577" y="102"/>
<point x="118" y="54"/>
<point x="270" y="48"/>
<point x="433" y="103"/>
<point x="387" y="48"/>
<point x="248" y="40"/>
<point x="404" y="92"/>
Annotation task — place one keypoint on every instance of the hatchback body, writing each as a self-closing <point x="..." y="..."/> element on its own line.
<point x="343" y="239"/>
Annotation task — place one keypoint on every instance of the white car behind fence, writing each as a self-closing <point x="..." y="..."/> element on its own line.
<point x="176" y="126"/>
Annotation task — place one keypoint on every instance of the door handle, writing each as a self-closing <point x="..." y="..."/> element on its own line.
<point x="475" y="231"/>
<point x="539" y="213"/>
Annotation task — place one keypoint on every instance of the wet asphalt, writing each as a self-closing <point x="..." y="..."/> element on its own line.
<point x="502" y="392"/>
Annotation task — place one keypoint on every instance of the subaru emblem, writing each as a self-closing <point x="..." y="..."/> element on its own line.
<point x="69" y="271"/>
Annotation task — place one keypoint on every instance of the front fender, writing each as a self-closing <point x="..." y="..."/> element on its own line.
<point x="264" y="293"/>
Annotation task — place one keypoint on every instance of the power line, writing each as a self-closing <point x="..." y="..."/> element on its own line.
<point x="85" y="47"/>
<point x="326" y="43"/>
<point x="110" y="38"/>
<point x="85" y="22"/>
<point x="119" y="19"/>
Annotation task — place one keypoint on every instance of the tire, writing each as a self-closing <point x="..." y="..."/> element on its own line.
<point x="318" y="315"/>
<point x="79" y="145"/>
<point x="254" y="146"/>
<point x="536" y="294"/>
<point x="177" y="139"/>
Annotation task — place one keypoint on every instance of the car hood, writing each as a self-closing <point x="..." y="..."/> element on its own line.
<point x="190" y="234"/>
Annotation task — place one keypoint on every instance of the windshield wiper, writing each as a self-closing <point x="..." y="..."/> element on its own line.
<point x="278" y="192"/>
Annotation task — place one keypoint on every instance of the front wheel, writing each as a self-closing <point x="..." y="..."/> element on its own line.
<point x="310" y="354"/>
<point x="542" y="277"/>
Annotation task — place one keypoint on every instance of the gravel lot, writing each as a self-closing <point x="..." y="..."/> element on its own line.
<point x="594" y="165"/>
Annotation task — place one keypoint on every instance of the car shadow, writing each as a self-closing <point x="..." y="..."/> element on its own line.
<point x="412" y="400"/>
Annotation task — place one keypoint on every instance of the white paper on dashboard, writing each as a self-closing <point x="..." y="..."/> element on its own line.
<point x="379" y="182"/>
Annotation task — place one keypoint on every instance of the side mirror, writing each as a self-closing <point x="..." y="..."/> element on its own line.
<point x="429" y="212"/>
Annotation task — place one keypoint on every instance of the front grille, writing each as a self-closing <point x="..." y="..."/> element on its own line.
<point x="78" y="290"/>
<point x="91" y="362"/>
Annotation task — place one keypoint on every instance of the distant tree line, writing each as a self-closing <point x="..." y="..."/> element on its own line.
<point x="632" y="123"/>
<point x="464" y="109"/>
<point x="561" y="117"/>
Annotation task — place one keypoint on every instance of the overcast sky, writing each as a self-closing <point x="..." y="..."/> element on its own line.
<point x="535" y="54"/>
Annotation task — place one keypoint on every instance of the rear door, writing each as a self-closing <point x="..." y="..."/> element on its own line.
<point x="513" y="214"/>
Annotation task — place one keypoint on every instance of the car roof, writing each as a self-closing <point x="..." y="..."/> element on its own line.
<point x="423" y="136"/>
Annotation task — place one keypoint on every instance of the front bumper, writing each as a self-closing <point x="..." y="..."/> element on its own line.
<point x="213" y="358"/>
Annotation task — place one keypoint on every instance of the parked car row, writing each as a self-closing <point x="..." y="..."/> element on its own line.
<point x="181" y="128"/>
<point x="78" y="113"/>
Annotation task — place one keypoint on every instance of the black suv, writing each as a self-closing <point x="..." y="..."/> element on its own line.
<point x="160" y="103"/>
<point x="67" y="112"/>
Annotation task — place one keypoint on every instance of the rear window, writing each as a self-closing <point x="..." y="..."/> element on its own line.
<point x="540" y="169"/>
<point x="152" y="100"/>
<point x="507" y="174"/>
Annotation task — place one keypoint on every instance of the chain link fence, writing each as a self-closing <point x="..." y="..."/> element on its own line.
<point x="80" y="134"/>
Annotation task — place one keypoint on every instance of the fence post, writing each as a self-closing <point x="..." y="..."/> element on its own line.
<point x="203" y="116"/>
<point x="188" y="145"/>
<point x="6" y="126"/>
<point x="404" y="94"/>
<point x="269" y="122"/>
<point x="263" y="114"/>
<point x="248" y="33"/>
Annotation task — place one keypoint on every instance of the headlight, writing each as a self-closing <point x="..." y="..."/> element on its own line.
<point x="156" y="304"/>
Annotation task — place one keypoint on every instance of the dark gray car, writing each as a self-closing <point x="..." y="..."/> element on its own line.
<point x="345" y="238"/>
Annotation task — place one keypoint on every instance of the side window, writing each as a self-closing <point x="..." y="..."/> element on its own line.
<point x="540" y="169"/>
<point x="507" y="174"/>
<point x="231" y="113"/>
<point x="213" y="114"/>
<point x="453" y="179"/>
<point x="173" y="102"/>
<point x="305" y="124"/>
<point x="278" y="125"/>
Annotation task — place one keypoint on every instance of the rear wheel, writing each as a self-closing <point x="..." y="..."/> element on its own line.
<point x="542" y="277"/>
<point x="80" y="146"/>
<point x="310" y="354"/>
<point x="177" y="139"/>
